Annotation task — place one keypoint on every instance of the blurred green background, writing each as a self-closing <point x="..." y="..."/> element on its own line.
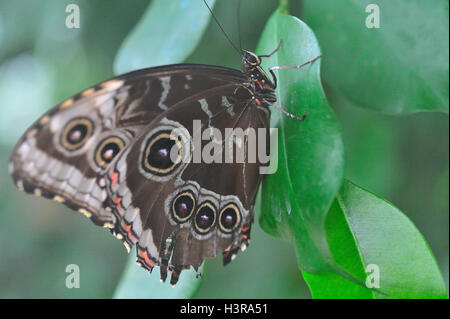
<point x="404" y="159"/>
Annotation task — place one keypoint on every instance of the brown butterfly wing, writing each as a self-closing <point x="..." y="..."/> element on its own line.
<point x="145" y="198"/>
<point x="77" y="152"/>
<point x="58" y="155"/>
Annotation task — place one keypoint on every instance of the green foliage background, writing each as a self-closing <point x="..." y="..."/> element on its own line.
<point x="403" y="159"/>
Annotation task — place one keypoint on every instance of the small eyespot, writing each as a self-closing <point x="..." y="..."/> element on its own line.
<point x="229" y="218"/>
<point x="107" y="149"/>
<point x="183" y="206"/>
<point x="205" y="218"/>
<point x="159" y="152"/>
<point x="75" y="133"/>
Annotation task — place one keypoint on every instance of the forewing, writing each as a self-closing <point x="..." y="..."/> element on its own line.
<point x="60" y="155"/>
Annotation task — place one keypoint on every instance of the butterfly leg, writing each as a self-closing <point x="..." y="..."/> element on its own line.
<point x="273" y="52"/>
<point x="295" y="117"/>
<point x="282" y="67"/>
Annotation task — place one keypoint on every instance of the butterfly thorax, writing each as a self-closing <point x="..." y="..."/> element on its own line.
<point x="262" y="86"/>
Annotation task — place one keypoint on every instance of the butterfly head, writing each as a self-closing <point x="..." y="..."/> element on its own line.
<point x="250" y="59"/>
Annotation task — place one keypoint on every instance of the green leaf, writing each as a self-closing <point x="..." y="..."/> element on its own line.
<point x="363" y="229"/>
<point x="167" y="33"/>
<point x="297" y="197"/>
<point x="401" y="67"/>
<point x="136" y="283"/>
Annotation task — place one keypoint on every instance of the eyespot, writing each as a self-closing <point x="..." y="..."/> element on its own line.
<point x="75" y="133"/>
<point x="107" y="149"/>
<point x="183" y="206"/>
<point x="229" y="218"/>
<point x="205" y="218"/>
<point x="158" y="154"/>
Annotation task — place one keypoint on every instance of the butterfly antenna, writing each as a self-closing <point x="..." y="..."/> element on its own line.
<point x="220" y="26"/>
<point x="239" y="23"/>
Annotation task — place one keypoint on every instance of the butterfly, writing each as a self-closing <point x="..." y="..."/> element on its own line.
<point x="107" y="152"/>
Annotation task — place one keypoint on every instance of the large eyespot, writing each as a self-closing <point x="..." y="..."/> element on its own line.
<point x="162" y="154"/>
<point x="229" y="218"/>
<point x="75" y="133"/>
<point x="183" y="206"/>
<point x="107" y="149"/>
<point x="205" y="218"/>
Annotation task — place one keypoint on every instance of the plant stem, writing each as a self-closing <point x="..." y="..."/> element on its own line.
<point x="284" y="6"/>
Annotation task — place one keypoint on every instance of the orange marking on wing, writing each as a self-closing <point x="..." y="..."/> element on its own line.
<point x="128" y="230"/>
<point x="258" y="102"/>
<point x="118" y="202"/>
<point x="113" y="176"/>
<point x="87" y="92"/>
<point x="244" y="236"/>
<point x="148" y="261"/>
<point x="66" y="103"/>
<point x="244" y="229"/>
<point x="112" y="84"/>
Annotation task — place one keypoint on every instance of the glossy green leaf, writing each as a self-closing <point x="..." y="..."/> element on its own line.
<point x="297" y="197"/>
<point x="136" y="283"/>
<point x="364" y="230"/>
<point x="167" y="33"/>
<point x="401" y="67"/>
